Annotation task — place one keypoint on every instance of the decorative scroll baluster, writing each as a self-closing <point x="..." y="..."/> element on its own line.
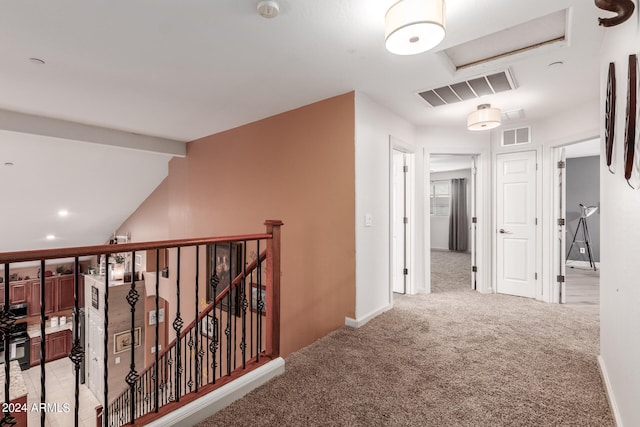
<point x="77" y="351"/>
<point x="198" y="351"/>
<point x="132" y="377"/>
<point x="213" y="345"/>
<point x="6" y="324"/>
<point x="244" y="305"/>
<point x="177" y="326"/>
<point x="227" y="330"/>
<point x="43" y="391"/>
<point x="258" y="306"/>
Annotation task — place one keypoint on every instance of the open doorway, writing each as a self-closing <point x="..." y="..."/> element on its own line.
<point x="452" y="189"/>
<point x="581" y="204"/>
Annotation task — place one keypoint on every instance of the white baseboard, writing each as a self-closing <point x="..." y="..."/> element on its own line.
<point x="204" y="407"/>
<point x="609" y="390"/>
<point x="357" y="323"/>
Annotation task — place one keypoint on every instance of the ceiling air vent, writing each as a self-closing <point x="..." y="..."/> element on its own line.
<point x="470" y="89"/>
<point x="516" y="136"/>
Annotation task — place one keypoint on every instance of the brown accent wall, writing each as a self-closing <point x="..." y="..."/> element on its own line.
<point x="298" y="167"/>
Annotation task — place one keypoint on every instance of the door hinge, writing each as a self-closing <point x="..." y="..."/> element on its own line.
<point x="536" y="166"/>
<point x="536" y="221"/>
<point x="405" y="169"/>
<point x="560" y="278"/>
<point x="561" y="221"/>
<point x="562" y="164"/>
<point x="405" y="271"/>
<point x="535" y="276"/>
<point x="405" y="220"/>
<point x="474" y="220"/>
<point x="474" y="269"/>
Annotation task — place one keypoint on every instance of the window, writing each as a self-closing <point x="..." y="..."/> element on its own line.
<point x="440" y="197"/>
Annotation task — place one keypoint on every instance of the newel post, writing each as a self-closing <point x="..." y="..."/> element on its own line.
<point x="273" y="288"/>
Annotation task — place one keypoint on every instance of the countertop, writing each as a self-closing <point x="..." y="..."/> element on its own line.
<point x="17" y="387"/>
<point x="34" y="330"/>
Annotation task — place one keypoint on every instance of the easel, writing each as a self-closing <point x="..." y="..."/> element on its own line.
<point x="587" y="211"/>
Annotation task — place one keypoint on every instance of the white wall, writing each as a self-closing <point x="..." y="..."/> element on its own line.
<point x="440" y="223"/>
<point x="620" y="246"/>
<point x="374" y="127"/>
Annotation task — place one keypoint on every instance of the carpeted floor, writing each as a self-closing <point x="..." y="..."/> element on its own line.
<point x="452" y="358"/>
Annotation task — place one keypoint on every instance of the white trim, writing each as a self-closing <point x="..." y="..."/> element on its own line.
<point x="609" y="390"/>
<point x="204" y="407"/>
<point x="356" y="323"/>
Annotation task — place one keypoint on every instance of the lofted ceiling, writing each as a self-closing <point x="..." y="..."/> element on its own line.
<point x="179" y="71"/>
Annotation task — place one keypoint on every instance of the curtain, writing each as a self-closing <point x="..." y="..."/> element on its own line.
<point x="458" y="222"/>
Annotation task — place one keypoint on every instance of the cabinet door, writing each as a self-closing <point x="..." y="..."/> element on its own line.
<point x="34" y="351"/>
<point x="65" y="290"/>
<point x="34" y="306"/>
<point x="18" y="292"/>
<point x="57" y="345"/>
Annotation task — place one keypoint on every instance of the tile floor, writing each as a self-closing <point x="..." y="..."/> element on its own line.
<point x="60" y="386"/>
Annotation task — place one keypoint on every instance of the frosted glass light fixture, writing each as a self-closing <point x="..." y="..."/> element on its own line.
<point x="414" y="26"/>
<point x="484" y="118"/>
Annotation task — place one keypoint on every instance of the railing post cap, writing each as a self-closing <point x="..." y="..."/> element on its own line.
<point x="273" y="222"/>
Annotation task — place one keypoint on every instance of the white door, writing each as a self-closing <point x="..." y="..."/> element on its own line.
<point x="516" y="223"/>
<point x="398" y="213"/>
<point x="561" y="223"/>
<point x="474" y="224"/>
<point x="95" y="354"/>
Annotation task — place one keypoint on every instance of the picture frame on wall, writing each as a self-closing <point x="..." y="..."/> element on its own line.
<point x="225" y="259"/>
<point x="122" y="340"/>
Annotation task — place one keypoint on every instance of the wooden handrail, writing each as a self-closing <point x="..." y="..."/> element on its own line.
<point x="81" y="251"/>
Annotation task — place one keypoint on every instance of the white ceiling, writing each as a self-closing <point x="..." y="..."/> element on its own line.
<point x="183" y="70"/>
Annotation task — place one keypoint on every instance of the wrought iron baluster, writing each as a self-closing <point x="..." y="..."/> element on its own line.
<point x="157" y="330"/>
<point x="198" y="356"/>
<point x="213" y="282"/>
<point x="245" y="304"/>
<point x="227" y="330"/>
<point x="132" y="377"/>
<point x="6" y="324"/>
<point x="106" y="334"/>
<point x="177" y="326"/>
<point x="258" y="306"/>
<point x="77" y="351"/>
<point x="43" y="390"/>
<point x="190" y="359"/>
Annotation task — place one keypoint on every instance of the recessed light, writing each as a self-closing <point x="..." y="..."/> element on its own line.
<point x="63" y="212"/>
<point x="50" y="237"/>
<point x="556" y="64"/>
<point x="9" y="164"/>
<point x="37" y="61"/>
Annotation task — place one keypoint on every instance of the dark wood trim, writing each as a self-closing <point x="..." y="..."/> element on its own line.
<point x="81" y="251"/>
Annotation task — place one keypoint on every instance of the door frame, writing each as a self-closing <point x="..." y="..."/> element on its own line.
<point x="482" y="211"/>
<point x="539" y="288"/>
<point x="399" y="145"/>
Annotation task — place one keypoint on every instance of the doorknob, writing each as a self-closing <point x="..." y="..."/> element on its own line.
<point x="503" y="231"/>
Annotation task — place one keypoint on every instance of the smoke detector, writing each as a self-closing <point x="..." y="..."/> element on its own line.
<point x="268" y="9"/>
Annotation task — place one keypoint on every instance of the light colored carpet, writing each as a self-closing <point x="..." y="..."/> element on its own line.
<point x="453" y="358"/>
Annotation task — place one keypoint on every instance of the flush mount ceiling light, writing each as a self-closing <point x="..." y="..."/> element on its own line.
<point x="268" y="9"/>
<point x="484" y="118"/>
<point x="414" y="26"/>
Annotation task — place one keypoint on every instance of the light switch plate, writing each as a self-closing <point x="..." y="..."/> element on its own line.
<point x="368" y="220"/>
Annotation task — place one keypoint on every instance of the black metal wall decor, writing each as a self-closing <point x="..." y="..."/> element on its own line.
<point x="630" y="127"/>
<point x="610" y="115"/>
<point x="622" y="8"/>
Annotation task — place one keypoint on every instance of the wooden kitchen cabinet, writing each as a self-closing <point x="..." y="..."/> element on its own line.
<point x="18" y="292"/>
<point x="49" y="300"/>
<point x="59" y="292"/>
<point x="57" y="346"/>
